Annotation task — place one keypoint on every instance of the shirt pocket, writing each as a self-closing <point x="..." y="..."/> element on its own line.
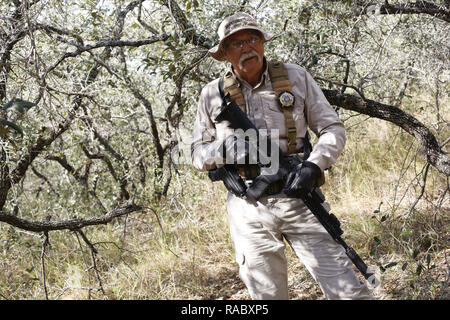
<point x="299" y="111"/>
<point x="273" y="116"/>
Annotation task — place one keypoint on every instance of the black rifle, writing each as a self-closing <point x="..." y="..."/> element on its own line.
<point x="313" y="199"/>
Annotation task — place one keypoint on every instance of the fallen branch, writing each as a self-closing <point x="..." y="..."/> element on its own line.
<point x="71" y="224"/>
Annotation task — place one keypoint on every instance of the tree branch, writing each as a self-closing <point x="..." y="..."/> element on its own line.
<point x="106" y="43"/>
<point x="94" y="253"/>
<point x="418" y="7"/>
<point x="187" y="28"/>
<point x="149" y="110"/>
<point x="45" y="244"/>
<point x="435" y="156"/>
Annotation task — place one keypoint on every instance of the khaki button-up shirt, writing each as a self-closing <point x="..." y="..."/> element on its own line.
<point x="311" y="110"/>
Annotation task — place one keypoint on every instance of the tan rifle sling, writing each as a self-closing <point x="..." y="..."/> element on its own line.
<point x="232" y="86"/>
<point x="280" y="83"/>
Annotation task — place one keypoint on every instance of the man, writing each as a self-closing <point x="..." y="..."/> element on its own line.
<point x="258" y="229"/>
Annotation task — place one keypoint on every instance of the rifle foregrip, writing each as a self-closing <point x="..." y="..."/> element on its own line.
<point x="216" y="174"/>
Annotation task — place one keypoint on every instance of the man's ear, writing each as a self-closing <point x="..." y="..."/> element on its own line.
<point x="224" y="53"/>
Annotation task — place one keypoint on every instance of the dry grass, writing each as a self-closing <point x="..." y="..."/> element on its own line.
<point x="180" y="248"/>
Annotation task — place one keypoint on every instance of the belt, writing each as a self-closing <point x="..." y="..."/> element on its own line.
<point x="249" y="172"/>
<point x="272" y="189"/>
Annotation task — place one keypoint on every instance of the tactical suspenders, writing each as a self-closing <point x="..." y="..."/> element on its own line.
<point x="281" y="85"/>
<point x="282" y="88"/>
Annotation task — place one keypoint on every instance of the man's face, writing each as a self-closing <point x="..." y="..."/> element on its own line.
<point x="245" y="51"/>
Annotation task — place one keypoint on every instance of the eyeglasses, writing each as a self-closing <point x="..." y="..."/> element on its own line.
<point x="239" y="44"/>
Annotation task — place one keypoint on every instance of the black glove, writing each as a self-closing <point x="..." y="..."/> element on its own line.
<point x="260" y="185"/>
<point x="302" y="179"/>
<point x="231" y="179"/>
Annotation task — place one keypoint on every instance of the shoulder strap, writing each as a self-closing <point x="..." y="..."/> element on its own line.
<point x="279" y="77"/>
<point x="232" y="86"/>
<point x="222" y="95"/>
<point x="280" y="83"/>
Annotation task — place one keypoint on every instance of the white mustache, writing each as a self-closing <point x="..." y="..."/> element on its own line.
<point x="249" y="55"/>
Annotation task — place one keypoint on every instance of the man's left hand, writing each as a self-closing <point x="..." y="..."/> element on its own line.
<point x="302" y="179"/>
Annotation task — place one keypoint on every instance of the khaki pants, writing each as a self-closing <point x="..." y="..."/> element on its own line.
<point x="257" y="231"/>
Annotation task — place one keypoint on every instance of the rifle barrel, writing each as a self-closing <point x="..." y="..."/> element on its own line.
<point x="334" y="230"/>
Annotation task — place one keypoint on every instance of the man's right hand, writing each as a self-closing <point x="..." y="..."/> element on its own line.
<point x="231" y="179"/>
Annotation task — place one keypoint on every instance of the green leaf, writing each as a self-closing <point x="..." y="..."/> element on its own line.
<point x="428" y="260"/>
<point x="3" y="132"/>
<point x="18" y="105"/>
<point x="7" y="105"/>
<point x="377" y="240"/>
<point x="404" y="266"/>
<point x="415" y="252"/>
<point x="390" y="265"/>
<point x="6" y="123"/>
<point x="419" y="269"/>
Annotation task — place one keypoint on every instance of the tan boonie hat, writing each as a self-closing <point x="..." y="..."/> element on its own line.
<point x="238" y="21"/>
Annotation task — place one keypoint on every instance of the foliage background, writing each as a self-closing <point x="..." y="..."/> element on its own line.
<point x="114" y="86"/>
